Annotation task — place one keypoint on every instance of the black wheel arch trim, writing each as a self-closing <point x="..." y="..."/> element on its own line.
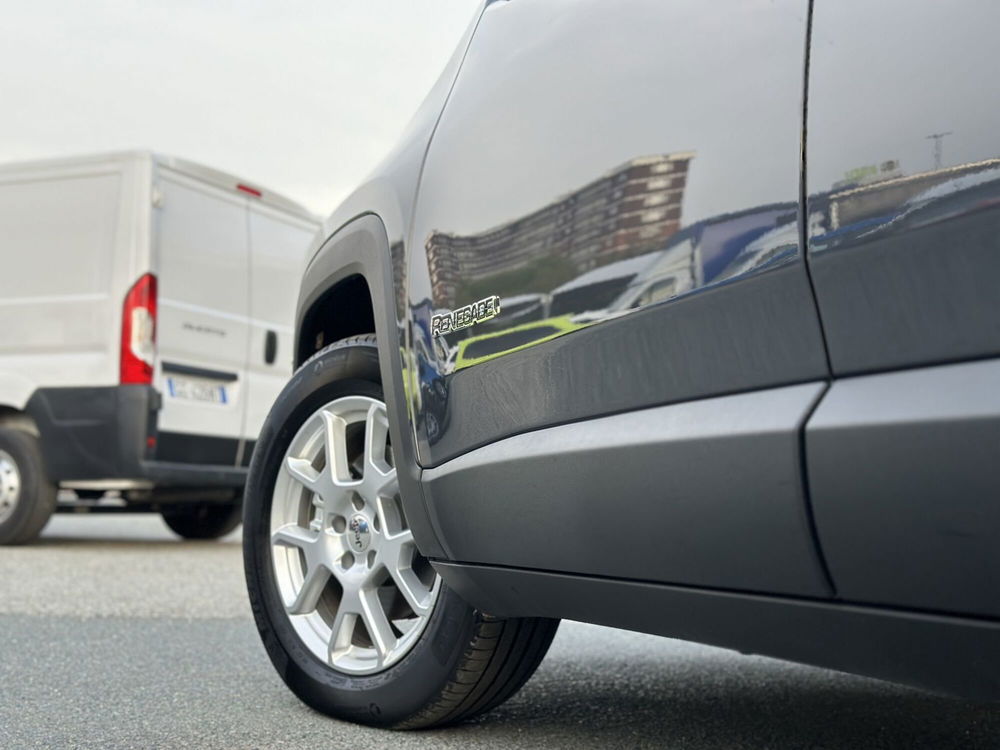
<point x="361" y="248"/>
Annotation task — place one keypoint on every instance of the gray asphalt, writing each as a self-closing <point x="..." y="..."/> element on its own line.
<point x="115" y="635"/>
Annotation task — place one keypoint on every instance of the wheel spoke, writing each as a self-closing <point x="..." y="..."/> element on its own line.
<point x="418" y="596"/>
<point x="302" y="472"/>
<point x="387" y="513"/>
<point x="399" y="553"/>
<point x="312" y="588"/>
<point x="376" y="623"/>
<point x="341" y="632"/>
<point x="335" y="435"/>
<point x="400" y="539"/>
<point x="376" y="439"/>
<point x="377" y="486"/>
<point x="292" y="535"/>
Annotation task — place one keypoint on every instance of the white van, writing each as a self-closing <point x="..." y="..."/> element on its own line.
<point x="146" y="313"/>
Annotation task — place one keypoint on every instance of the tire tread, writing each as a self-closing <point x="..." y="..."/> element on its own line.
<point x="501" y="657"/>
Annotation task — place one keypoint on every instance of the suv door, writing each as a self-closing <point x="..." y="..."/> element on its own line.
<point x="632" y="171"/>
<point x="904" y="195"/>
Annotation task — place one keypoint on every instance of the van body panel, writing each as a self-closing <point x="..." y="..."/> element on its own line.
<point x="202" y="321"/>
<point x="75" y="235"/>
<point x="65" y="241"/>
<point x="275" y="237"/>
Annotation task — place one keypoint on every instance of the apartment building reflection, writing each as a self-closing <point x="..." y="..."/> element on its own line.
<point x="627" y="212"/>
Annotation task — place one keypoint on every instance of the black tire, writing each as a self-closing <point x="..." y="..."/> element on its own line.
<point x="35" y="499"/>
<point x="202" y="520"/>
<point x="464" y="663"/>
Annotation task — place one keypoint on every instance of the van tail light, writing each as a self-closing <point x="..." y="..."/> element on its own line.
<point x="139" y="332"/>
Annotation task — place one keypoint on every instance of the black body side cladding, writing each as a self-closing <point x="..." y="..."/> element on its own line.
<point x="906" y="487"/>
<point x="945" y="654"/>
<point x="705" y="493"/>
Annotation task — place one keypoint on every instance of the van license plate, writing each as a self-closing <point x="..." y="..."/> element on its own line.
<point x="196" y="390"/>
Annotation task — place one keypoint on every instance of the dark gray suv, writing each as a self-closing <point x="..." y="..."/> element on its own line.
<point x="680" y="317"/>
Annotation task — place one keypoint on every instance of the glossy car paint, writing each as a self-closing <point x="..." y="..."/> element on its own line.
<point x="904" y="181"/>
<point x="624" y="168"/>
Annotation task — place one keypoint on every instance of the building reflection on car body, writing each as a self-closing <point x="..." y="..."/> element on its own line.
<point x="614" y="246"/>
<point x="619" y="273"/>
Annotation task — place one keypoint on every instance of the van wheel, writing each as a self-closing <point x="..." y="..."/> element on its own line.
<point x="27" y="497"/>
<point x="356" y="621"/>
<point x="202" y="520"/>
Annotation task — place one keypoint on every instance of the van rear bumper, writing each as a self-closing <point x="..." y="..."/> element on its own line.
<point x="110" y="433"/>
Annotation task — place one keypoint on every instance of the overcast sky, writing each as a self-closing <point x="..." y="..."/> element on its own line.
<point x="301" y="96"/>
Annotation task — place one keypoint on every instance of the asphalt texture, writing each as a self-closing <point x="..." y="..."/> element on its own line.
<point x="114" y="634"/>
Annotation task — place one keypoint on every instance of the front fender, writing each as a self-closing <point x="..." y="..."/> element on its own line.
<point x="361" y="248"/>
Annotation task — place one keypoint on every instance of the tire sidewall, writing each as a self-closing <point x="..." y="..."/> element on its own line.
<point x="384" y="698"/>
<point x="36" y="496"/>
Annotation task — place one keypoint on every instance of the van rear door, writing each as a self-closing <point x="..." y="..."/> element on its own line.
<point x="278" y="244"/>
<point x="201" y="252"/>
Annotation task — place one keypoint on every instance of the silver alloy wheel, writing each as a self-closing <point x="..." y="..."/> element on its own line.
<point x="357" y="592"/>
<point x="10" y="485"/>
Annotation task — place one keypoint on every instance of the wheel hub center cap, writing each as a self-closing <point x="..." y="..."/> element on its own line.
<point x="359" y="534"/>
<point x="10" y="485"/>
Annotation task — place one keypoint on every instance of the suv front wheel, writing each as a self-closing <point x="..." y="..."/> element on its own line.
<point x="354" y="618"/>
